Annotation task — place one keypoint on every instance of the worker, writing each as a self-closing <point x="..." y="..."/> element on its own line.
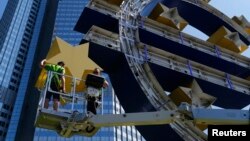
<point x="94" y="94"/>
<point x="57" y="82"/>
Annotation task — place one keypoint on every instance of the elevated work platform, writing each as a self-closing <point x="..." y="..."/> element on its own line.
<point x="54" y="120"/>
<point x="64" y="117"/>
<point x="50" y="119"/>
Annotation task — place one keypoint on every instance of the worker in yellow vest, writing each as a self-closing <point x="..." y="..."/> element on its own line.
<point x="57" y="82"/>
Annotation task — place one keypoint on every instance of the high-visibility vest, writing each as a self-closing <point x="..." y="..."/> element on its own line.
<point x="58" y="69"/>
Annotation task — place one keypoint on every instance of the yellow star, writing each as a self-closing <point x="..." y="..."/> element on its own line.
<point x="193" y="95"/>
<point x="243" y="22"/>
<point x="115" y="2"/>
<point x="207" y="1"/>
<point x="228" y="40"/>
<point x="168" y="17"/>
<point x="200" y="99"/>
<point x="76" y="62"/>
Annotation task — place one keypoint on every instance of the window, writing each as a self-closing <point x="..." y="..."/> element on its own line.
<point x="19" y="62"/>
<point x="20" y="56"/>
<point x="26" y="34"/>
<point x="25" y="40"/>
<point x="22" y="50"/>
<point x="11" y="87"/>
<point x="24" y="45"/>
<point x="13" y="80"/>
<point x="17" y="68"/>
<point x="2" y="123"/>
<point x="5" y="106"/>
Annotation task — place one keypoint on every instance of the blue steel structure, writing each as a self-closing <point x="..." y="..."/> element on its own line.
<point x="26" y="30"/>
<point x="124" y="81"/>
<point x="158" y="41"/>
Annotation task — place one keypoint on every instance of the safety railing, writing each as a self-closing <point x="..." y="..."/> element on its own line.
<point x="74" y="99"/>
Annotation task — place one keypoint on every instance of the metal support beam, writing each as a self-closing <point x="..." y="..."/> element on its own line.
<point x="165" y="59"/>
<point x="221" y="116"/>
<point x="129" y="119"/>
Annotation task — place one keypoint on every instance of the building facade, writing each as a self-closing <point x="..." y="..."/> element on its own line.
<point x="6" y="21"/>
<point x="68" y="13"/>
<point x="17" y="25"/>
<point x="22" y="31"/>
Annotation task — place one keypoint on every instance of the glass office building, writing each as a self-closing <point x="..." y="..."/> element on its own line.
<point x="22" y="29"/>
<point x="16" y="28"/>
<point x="110" y="106"/>
<point x="68" y="13"/>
